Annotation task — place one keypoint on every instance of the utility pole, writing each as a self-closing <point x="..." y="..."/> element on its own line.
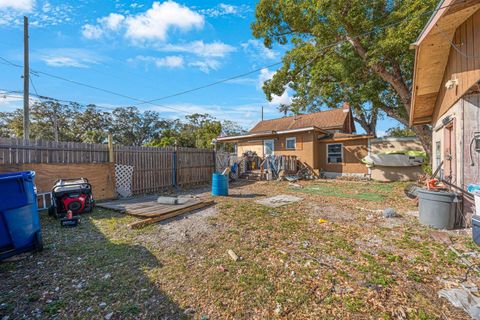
<point x="26" y="82"/>
<point x="262" y="113"/>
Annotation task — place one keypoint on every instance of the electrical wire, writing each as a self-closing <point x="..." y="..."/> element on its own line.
<point x="152" y="102"/>
<point x="281" y="62"/>
<point x="454" y="46"/>
<point x="37" y="72"/>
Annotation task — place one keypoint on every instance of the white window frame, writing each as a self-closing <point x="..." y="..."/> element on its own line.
<point x="294" y="143"/>
<point x="264" y="146"/>
<point x="341" y="153"/>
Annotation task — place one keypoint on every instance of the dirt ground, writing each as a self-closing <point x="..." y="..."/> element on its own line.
<point x="332" y="255"/>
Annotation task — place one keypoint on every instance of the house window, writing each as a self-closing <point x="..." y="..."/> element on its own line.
<point x="290" y="143"/>
<point x="334" y="153"/>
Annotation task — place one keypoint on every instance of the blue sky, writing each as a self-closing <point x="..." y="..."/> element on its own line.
<point x="146" y="50"/>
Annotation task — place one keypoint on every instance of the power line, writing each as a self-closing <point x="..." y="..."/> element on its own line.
<point x="38" y="72"/>
<point x="151" y="102"/>
<point x="280" y="62"/>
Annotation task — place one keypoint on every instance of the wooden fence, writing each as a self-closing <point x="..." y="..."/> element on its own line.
<point x="155" y="169"/>
<point x="18" y="151"/>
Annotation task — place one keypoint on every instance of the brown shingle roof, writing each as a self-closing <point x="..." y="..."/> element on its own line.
<point x="330" y="119"/>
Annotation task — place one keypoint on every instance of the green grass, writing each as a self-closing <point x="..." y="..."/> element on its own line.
<point x="288" y="258"/>
<point x="330" y="190"/>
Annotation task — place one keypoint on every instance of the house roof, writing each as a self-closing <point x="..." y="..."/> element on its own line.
<point x="330" y="119"/>
<point x="432" y="49"/>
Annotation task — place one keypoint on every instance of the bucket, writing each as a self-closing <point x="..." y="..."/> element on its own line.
<point x="476" y="229"/>
<point x="437" y="209"/>
<point x="219" y="184"/>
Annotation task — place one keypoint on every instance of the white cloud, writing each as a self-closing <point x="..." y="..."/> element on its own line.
<point x="152" y="25"/>
<point x="155" y="23"/>
<point x="207" y="55"/>
<point x="214" y="49"/>
<point x="10" y="101"/>
<point x="91" y="31"/>
<point x="206" y="65"/>
<point x="112" y="22"/>
<point x="69" y="57"/>
<point x="245" y="115"/>
<point x="40" y="13"/>
<point x="226" y="9"/>
<point x="381" y="133"/>
<point x="168" y="61"/>
<point x="18" y="5"/>
<point x="284" y="99"/>
<point x="257" y="50"/>
<point x="264" y="75"/>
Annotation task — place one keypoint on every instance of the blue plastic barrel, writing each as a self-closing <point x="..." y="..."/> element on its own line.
<point x="20" y="229"/>
<point x="219" y="184"/>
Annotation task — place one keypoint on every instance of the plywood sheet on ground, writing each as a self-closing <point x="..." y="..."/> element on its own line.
<point x="145" y="207"/>
<point x="100" y="175"/>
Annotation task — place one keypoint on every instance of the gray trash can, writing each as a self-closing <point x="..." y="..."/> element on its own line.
<point x="476" y="229"/>
<point x="437" y="208"/>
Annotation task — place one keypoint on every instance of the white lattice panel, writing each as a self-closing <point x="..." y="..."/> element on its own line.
<point x="124" y="177"/>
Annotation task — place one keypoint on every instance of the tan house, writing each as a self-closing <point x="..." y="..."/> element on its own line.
<point x="323" y="140"/>
<point x="446" y="91"/>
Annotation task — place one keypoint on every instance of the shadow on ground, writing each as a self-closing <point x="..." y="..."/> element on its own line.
<point x="81" y="274"/>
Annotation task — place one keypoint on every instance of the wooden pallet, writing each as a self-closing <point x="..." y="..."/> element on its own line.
<point x="145" y="207"/>
<point x="171" y="214"/>
<point x="150" y="211"/>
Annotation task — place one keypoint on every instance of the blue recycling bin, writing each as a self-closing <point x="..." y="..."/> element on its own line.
<point x="20" y="229"/>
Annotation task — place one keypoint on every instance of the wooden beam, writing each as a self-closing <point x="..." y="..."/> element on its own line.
<point x="146" y="222"/>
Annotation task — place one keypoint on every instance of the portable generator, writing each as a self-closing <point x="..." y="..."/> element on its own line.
<point x="73" y="195"/>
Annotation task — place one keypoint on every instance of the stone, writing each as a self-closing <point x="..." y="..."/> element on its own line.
<point x="109" y="316"/>
<point x="389" y="213"/>
<point x="102" y="305"/>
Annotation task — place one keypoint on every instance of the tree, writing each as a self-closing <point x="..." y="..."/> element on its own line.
<point x="399" y="132"/>
<point x="367" y="64"/>
<point x="91" y="125"/>
<point x="230" y="128"/>
<point x="11" y="124"/>
<point x="130" y="127"/>
<point x="204" y="129"/>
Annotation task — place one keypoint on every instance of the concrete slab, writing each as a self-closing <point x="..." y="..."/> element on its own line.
<point x="278" y="201"/>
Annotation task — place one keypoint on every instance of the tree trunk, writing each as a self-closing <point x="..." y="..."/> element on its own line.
<point x="423" y="133"/>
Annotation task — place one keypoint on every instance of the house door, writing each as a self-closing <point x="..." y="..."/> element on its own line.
<point x="449" y="152"/>
<point x="268" y="147"/>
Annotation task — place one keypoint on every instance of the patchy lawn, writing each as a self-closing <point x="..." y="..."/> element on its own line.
<point x="330" y="256"/>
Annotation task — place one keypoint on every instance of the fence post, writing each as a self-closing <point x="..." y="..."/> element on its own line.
<point x="214" y="142"/>
<point x="175" y="166"/>
<point x="111" y="154"/>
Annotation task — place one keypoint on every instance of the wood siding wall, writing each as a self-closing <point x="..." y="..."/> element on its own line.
<point x="304" y="150"/>
<point x="463" y="64"/>
<point x="353" y="152"/>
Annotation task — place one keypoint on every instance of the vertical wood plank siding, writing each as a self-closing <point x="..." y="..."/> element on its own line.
<point x="463" y="64"/>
